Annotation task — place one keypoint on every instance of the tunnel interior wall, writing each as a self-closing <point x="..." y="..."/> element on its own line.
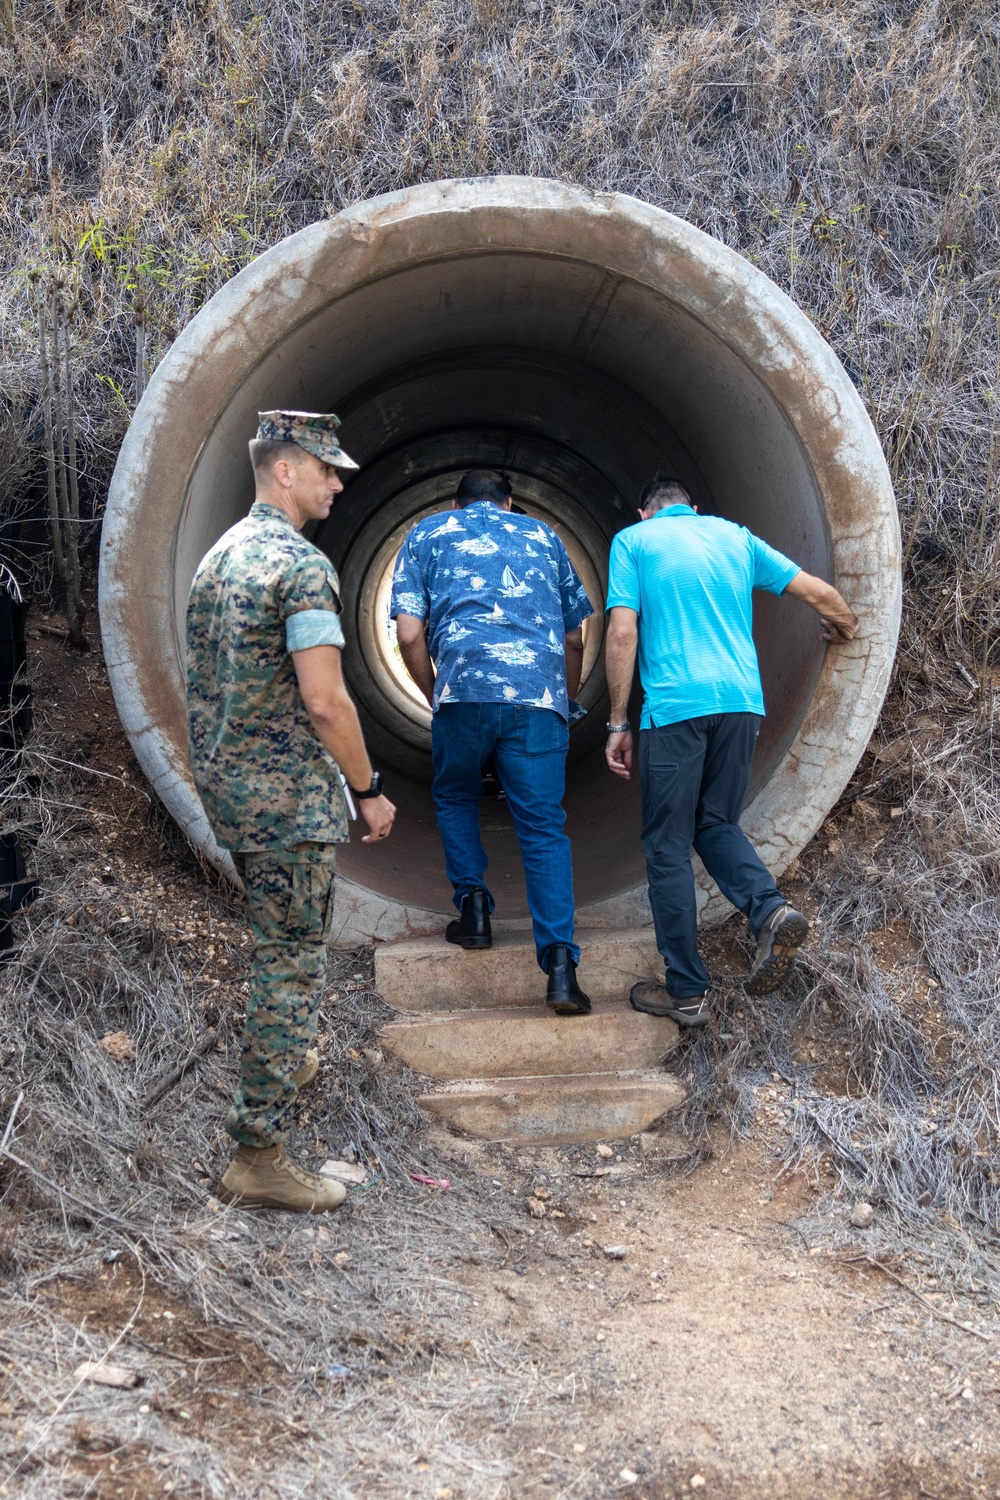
<point x="581" y="344"/>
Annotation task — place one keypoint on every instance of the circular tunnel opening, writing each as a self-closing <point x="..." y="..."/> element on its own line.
<point x="579" y="343"/>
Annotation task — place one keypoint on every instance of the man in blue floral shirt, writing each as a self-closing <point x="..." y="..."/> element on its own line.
<point x="493" y="600"/>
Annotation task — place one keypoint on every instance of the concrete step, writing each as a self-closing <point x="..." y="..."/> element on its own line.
<point x="427" y="974"/>
<point x="556" y="1111"/>
<point x="510" y="1043"/>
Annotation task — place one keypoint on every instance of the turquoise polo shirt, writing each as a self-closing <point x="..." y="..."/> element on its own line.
<point x="690" y="579"/>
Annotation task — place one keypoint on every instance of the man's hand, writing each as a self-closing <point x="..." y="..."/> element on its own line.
<point x="574" y="660"/>
<point x="835" y="631"/>
<point x="839" y="619"/>
<point x="619" y="664"/>
<point x="618" y="754"/>
<point x="378" y="813"/>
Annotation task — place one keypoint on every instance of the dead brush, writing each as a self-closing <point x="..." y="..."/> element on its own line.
<point x="89" y="1166"/>
<point x="913" y="1124"/>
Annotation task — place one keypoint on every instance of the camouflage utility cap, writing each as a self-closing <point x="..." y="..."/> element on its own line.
<point x="316" y="432"/>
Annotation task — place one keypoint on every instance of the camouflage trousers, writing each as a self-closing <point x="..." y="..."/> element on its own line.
<point x="290" y="896"/>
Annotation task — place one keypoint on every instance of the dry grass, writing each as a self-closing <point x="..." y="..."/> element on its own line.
<point x="97" y="1178"/>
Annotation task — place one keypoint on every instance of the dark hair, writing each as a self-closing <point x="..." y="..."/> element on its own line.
<point x="483" y="484"/>
<point x="663" y="489"/>
<point x="265" y="452"/>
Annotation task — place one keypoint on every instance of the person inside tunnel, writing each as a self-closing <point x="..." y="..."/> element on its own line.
<point x="680" y="591"/>
<point x="492" y="599"/>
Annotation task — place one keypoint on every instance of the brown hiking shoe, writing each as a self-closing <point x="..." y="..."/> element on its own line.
<point x="304" y="1076"/>
<point x="778" y="941"/>
<point x="655" y="1000"/>
<point x="265" y="1178"/>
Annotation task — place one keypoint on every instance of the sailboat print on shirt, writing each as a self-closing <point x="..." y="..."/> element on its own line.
<point x="499" y="595"/>
<point x="496" y="616"/>
<point x="510" y="587"/>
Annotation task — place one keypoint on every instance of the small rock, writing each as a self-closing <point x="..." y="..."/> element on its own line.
<point x="696" y="1482"/>
<point x="104" y="1374"/>
<point x="535" y="1207"/>
<point x="443" y="1492"/>
<point x="341" y="1258"/>
<point x="118" y="1045"/>
<point x="556" y="1213"/>
<point x="344" y="1171"/>
<point x="579" y="1447"/>
<point x="373" y="1057"/>
<point x="541" y="1192"/>
<point x="862" y="1215"/>
<point x="628" y="1476"/>
<point x="968" y="1394"/>
<point x="604" y="1152"/>
<point x="616" y="1252"/>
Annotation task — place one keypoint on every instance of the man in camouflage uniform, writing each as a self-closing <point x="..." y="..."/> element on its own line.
<point x="270" y="722"/>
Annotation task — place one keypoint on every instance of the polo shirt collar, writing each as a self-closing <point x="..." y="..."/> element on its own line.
<point x="675" y="510"/>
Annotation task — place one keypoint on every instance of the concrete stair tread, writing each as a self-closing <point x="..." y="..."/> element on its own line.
<point x="583" y="1083"/>
<point x="505" y="1068"/>
<point x="518" y="1011"/>
<point x="556" y="1109"/>
<point x="428" y="974"/>
<point x="513" y="1041"/>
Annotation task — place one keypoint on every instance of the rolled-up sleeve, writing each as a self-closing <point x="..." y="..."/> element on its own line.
<point x="313" y="627"/>
<point x="310" y="606"/>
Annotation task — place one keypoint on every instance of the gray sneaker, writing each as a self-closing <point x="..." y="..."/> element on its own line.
<point x="778" y="941"/>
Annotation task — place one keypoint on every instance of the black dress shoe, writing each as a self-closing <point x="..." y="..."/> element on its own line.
<point x="472" y="928"/>
<point x="564" y="995"/>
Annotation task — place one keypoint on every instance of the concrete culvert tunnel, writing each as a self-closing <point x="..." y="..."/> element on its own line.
<point x="581" y="342"/>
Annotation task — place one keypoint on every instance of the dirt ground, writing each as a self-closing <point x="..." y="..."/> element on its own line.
<point x="651" y="1333"/>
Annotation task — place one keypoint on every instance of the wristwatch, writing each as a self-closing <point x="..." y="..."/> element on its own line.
<point x="616" y="728"/>
<point x="375" y="790"/>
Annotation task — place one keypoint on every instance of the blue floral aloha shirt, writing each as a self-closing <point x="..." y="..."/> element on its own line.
<point x="499" y="595"/>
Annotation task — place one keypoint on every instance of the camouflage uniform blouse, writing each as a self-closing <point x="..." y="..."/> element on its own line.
<point x="263" y="777"/>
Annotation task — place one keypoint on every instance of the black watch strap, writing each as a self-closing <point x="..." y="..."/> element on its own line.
<point x="375" y="790"/>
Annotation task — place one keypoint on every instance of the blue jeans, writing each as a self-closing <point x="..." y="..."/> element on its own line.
<point x="694" y="777"/>
<point x="529" y="745"/>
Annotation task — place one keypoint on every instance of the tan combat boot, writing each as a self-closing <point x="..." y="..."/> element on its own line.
<point x="265" y="1178"/>
<point x="304" y="1076"/>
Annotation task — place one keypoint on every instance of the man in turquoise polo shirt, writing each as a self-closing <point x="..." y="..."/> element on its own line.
<point x="680" y="591"/>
